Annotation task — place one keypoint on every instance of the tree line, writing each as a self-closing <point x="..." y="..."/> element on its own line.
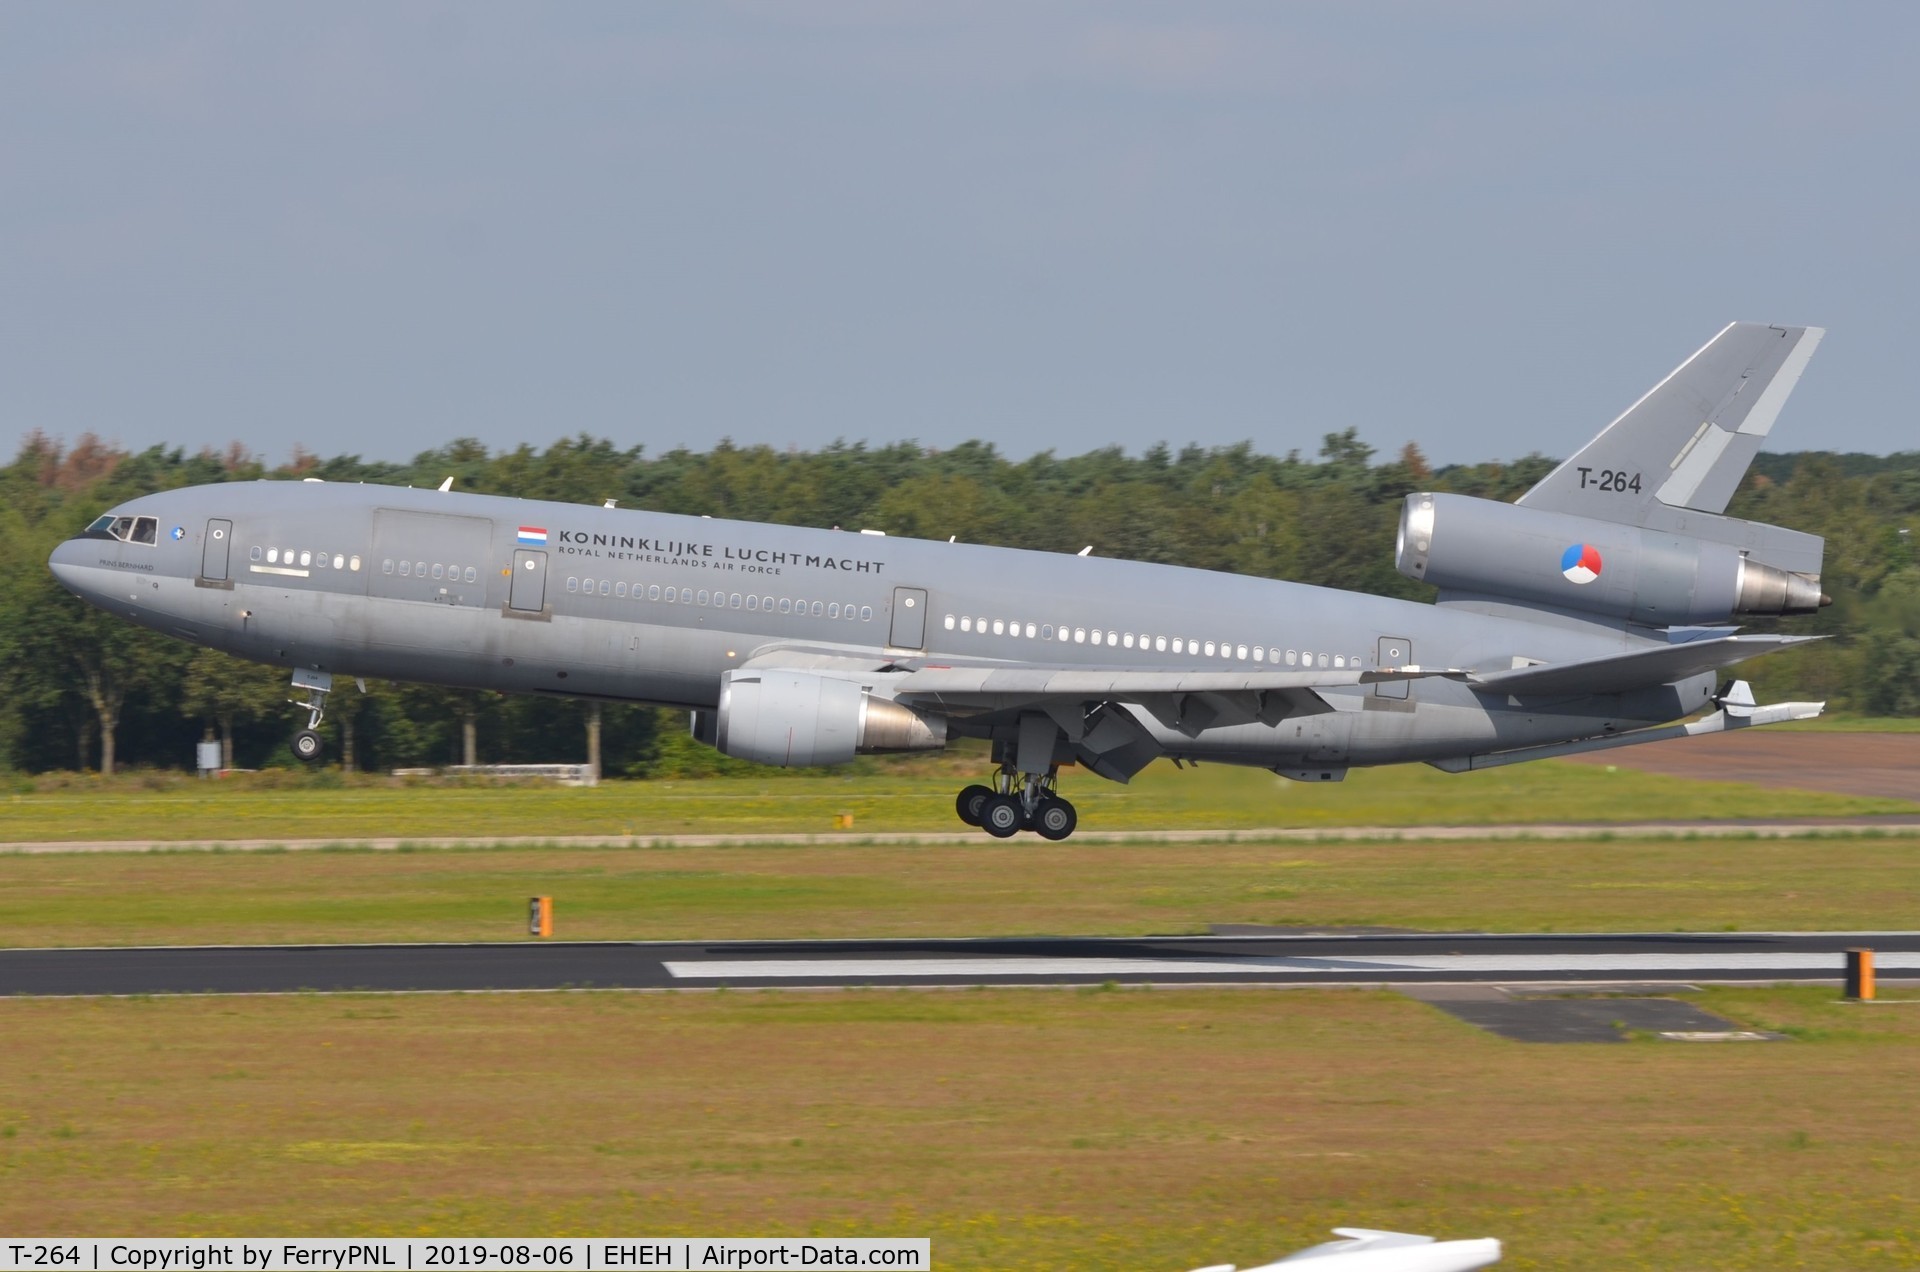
<point x="83" y="690"/>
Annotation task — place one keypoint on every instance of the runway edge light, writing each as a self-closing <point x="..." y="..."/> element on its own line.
<point x="539" y="916"/>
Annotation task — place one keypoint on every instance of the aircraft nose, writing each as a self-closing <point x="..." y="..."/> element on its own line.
<point x="65" y="564"/>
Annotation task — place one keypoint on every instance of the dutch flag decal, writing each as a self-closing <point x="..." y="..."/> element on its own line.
<point x="533" y="536"/>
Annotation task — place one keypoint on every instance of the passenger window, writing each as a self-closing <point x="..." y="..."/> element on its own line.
<point x="1240" y="651"/>
<point x="1273" y="655"/>
<point x="339" y="562"/>
<point x="1079" y="635"/>
<point x="1046" y="631"/>
<point x="766" y="603"/>
<point x="606" y="587"/>
<point x="273" y="555"/>
<point x="253" y="553"/>
<point x="1029" y="631"/>
<point x="672" y="596"/>
<point x="966" y="624"/>
<point x="319" y="560"/>
<point x="473" y="576"/>
<point x="439" y="571"/>
<point x="866" y="613"/>
<point x="815" y="609"/>
<point x="1160" y="644"/>
<point x="704" y="597"/>
<point x="1340" y="660"/>
<point x="1113" y="638"/>
<point x="653" y="593"/>
<point x="1127" y="640"/>
<point x="686" y="596"/>
<point x="1259" y="653"/>
<point x="420" y="568"/>
<point x="1291" y="658"/>
<point x="573" y="581"/>
<point x="833" y="611"/>
<point x="734" y="601"/>
<point x="1209" y="649"/>
<point x="949" y="618"/>
<point x="619" y="589"/>
<point x="406" y="567"/>
<point x="353" y="563"/>
<point x="1179" y="645"/>
<point x="786" y="606"/>
<point x="1323" y="662"/>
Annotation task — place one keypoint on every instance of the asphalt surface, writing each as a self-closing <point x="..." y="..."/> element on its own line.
<point x="1775" y="828"/>
<point x="1373" y="959"/>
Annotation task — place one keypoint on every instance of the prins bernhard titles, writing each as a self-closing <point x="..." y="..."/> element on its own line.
<point x="740" y="558"/>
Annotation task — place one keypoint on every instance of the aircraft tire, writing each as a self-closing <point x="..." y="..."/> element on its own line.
<point x="1001" y="816"/>
<point x="1055" y="819"/>
<point x="307" y="746"/>
<point x="970" y="802"/>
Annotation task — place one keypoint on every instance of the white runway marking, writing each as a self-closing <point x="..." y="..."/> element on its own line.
<point x="1580" y="966"/>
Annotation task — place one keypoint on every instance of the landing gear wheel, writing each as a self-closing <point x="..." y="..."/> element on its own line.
<point x="971" y="803"/>
<point x="1001" y="816"/>
<point x="307" y="746"/>
<point x="1055" y="819"/>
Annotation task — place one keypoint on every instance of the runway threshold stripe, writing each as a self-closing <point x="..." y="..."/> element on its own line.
<point x="1597" y="966"/>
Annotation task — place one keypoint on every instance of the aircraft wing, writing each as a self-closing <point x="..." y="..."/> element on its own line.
<point x="1639" y="670"/>
<point x="1189" y="701"/>
<point x="966" y="686"/>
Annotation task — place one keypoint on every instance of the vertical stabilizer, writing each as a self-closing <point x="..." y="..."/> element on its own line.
<point x="1687" y="443"/>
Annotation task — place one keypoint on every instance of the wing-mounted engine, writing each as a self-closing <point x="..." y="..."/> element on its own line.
<point x="1657" y="576"/>
<point x="795" y="719"/>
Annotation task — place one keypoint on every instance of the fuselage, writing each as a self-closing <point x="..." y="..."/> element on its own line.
<point x="525" y="596"/>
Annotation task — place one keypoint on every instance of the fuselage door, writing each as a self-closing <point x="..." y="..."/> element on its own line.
<point x="529" y="589"/>
<point x="213" y="553"/>
<point x="909" y="618"/>
<point x="1395" y="651"/>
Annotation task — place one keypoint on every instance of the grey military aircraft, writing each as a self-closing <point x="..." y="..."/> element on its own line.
<point x="1591" y="613"/>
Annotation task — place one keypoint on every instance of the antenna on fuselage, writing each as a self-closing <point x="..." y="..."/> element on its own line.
<point x="446" y="485"/>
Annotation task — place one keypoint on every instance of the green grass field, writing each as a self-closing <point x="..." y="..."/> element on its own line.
<point x="187" y="810"/>
<point x="975" y="889"/>
<point x="1046" y="1129"/>
<point x="1030" y="1129"/>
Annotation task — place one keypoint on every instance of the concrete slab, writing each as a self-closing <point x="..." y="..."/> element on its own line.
<point x="1587" y="1019"/>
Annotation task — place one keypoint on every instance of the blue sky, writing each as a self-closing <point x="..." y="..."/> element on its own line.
<point x="365" y="228"/>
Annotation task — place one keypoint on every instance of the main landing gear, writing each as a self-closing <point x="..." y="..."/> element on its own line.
<point x="1018" y="801"/>
<point x="307" y="744"/>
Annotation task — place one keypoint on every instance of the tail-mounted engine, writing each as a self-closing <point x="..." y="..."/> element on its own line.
<point x="1483" y="548"/>
<point x="794" y="719"/>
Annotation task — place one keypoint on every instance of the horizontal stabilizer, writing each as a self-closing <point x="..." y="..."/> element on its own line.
<point x="1619" y="673"/>
<point x="1737" y="711"/>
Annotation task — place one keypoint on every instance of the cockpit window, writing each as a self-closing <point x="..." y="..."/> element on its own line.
<point x="145" y="530"/>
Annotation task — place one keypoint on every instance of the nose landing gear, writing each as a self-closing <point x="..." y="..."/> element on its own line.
<point x="307" y="744"/>
<point x="1018" y="801"/>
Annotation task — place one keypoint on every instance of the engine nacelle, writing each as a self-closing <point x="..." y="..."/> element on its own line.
<point x="795" y="719"/>
<point x="1462" y="544"/>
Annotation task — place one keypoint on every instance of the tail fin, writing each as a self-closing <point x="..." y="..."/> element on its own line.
<point x="1687" y="443"/>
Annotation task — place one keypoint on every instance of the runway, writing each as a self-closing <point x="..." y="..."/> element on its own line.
<point x="1289" y="959"/>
